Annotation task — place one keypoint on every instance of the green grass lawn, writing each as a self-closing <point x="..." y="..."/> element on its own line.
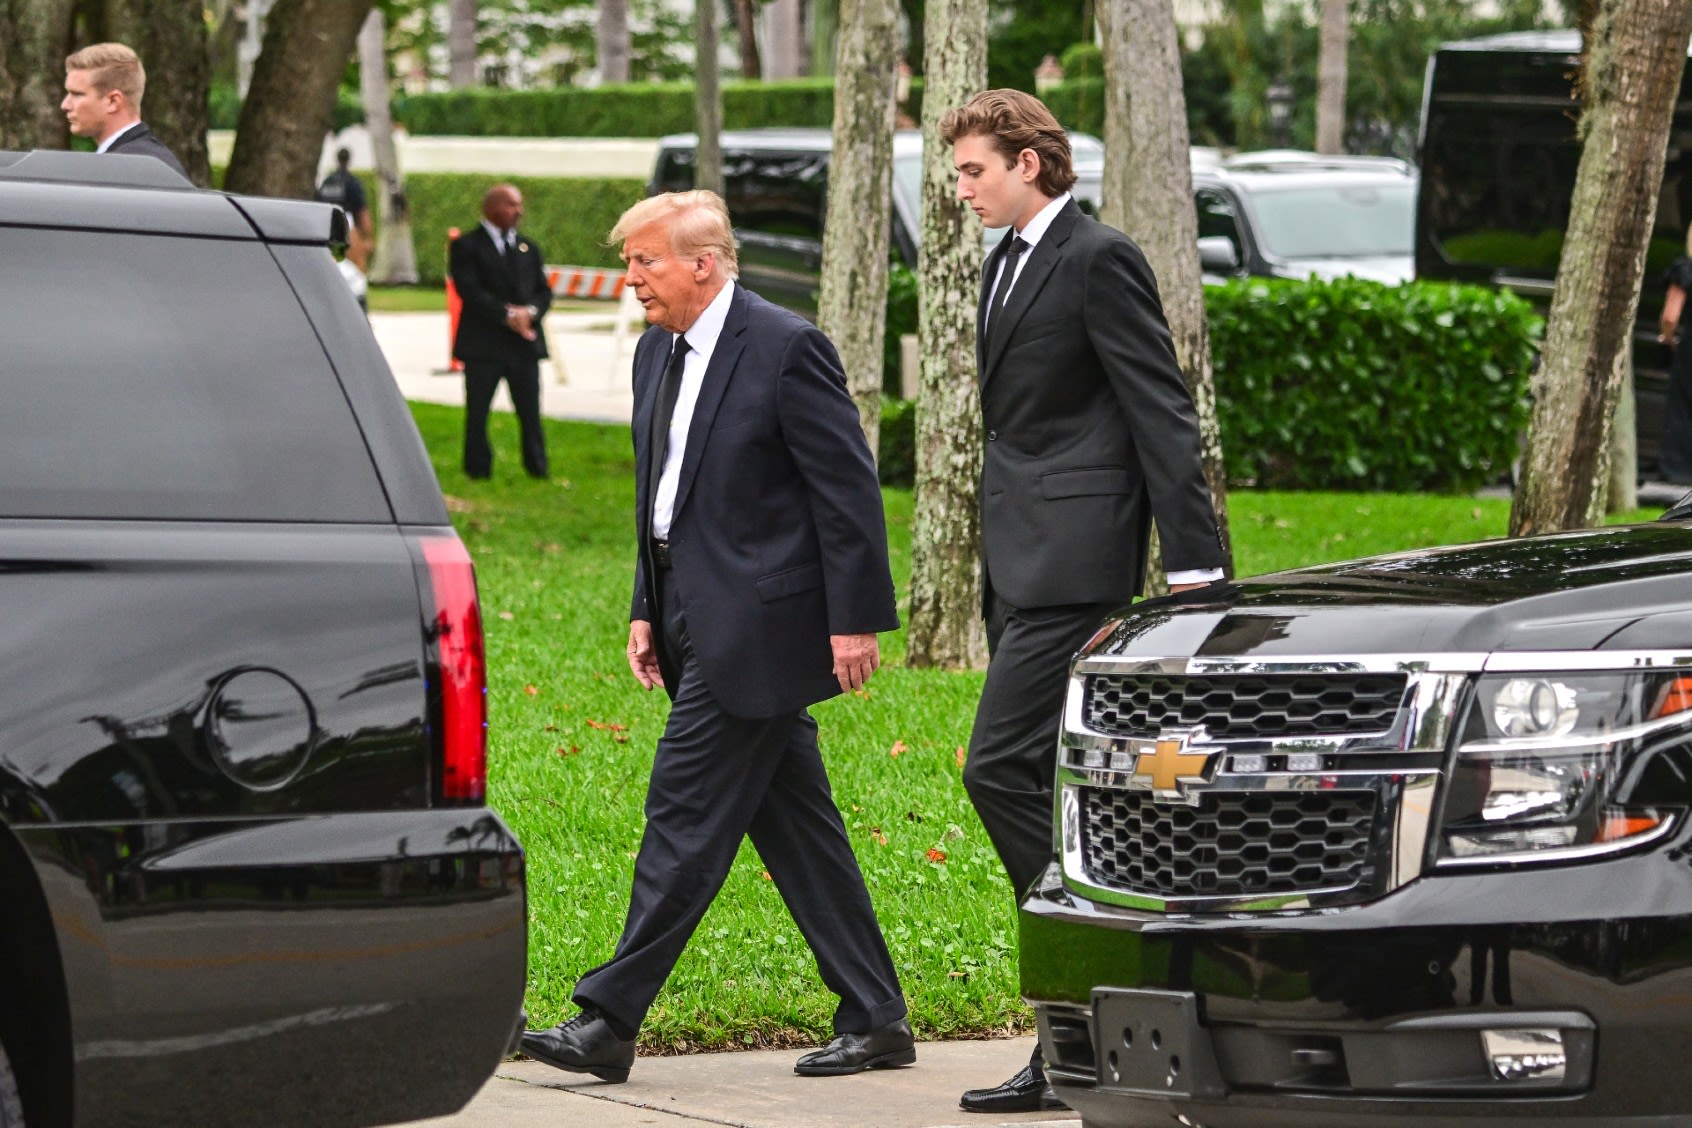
<point x="572" y="736"/>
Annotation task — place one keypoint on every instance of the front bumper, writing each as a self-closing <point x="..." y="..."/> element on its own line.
<point x="1375" y="1012"/>
<point x="361" y="968"/>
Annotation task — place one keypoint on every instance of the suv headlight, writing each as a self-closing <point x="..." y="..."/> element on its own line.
<point x="1562" y="764"/>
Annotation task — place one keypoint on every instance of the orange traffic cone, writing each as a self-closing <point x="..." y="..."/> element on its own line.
<point x="455" y="308"/>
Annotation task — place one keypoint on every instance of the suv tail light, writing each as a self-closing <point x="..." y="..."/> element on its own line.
<point x="458" y="707"/>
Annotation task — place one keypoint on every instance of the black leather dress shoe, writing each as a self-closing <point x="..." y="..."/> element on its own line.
<point x="890" y="1046"/>
<point x="1026" y="1092"/>
<point x="585" y="1044"/>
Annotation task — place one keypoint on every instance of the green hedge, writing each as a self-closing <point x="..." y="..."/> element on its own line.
<point x="567" y="217"/>
<point x="1354" y="385"/>
<point x="636" y="109"/>
<point x="1349" y="385"/>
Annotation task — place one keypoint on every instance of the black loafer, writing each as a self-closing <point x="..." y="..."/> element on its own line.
<point x="1026" y="1092"/>
<point x="585" y="1044"/>
<point x="886" y="1048"/>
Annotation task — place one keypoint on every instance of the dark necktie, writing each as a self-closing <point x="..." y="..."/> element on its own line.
<point x="663" y="410"/>
<point x="1007" y="274"/>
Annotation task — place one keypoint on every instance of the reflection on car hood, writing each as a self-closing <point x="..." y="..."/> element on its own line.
<point x="1575" y="591"/>
<point x="1391" y="269"/>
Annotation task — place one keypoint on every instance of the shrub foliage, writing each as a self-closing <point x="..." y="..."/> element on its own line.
<point x="1355" y="385"/>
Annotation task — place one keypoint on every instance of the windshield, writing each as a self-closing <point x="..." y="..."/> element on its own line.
<point x="1337" y="221"/>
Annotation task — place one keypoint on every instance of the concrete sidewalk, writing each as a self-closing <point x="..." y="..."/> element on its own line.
<point x="755" y="1089"/>
<point x="596" y="387"/>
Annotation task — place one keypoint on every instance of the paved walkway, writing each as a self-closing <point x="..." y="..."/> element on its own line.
<point x="595" y="384"/>
<point x="756" y="1089"/>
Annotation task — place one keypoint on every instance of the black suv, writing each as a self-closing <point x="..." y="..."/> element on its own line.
<point x="1399" y="840"/>
<point x="246" y="865"/>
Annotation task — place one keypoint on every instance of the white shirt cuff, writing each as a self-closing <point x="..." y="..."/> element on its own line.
<point x="1195" y="576"/>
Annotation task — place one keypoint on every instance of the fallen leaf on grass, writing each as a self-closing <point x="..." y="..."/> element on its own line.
<point x="864" y="693"/>
<point x="959" y="756"/>
<point x="507" y="616"/>
<point x="880" y="838"/>
<point x="530" y="690"/>
<point x="938" y="857"/>
<point x="765" y="874"/>
<point x="610" y="726"/>
<point x="570" y="751"/>
<point x="957" y="975"/>
<point x="899" y="746"/>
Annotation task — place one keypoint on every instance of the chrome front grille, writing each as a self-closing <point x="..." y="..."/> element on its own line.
<point x="1243" y="706"/>
<point x="1230" y="844"/>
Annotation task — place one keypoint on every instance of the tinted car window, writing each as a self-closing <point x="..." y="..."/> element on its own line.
<point x="179" y="366"/>
<point x="1216" y="218"/>
<point x="1330" y="220"/>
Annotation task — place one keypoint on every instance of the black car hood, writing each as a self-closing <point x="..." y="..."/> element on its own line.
<point x="1628" y="587"/>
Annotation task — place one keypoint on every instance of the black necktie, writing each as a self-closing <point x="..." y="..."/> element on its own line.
<point x="1007" y="274"/>
<point x="663" y="410"/>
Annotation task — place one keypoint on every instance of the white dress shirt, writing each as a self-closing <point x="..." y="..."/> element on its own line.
<point x="115" y="134"/>
<point x="503" y="240"/>
<point x="1032" y="233"/>
<point x="701" y="343"/>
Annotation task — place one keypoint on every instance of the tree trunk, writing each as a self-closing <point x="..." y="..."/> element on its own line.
<point x="945" y="619"/>
<point x="852" y="308"/>
<point x="707" y="98"/>
<point x="1330" y="77"/>
<point x="395" y="261"/>
<point x="170" y="37"/>
<point x="784" y="41"/>
<point x="1634" y="59"/>
<point x="34" y="40"/>
<point x="291" y="103"/>
<point x="461" y="44"/>
<point x="1148" y="193"/>
<point x="612" y="40"/>
<point x="746" y="23"/>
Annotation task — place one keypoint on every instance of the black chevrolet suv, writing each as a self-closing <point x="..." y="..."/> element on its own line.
<point x="247" y="873"/>
<point x="1403" y="840"/>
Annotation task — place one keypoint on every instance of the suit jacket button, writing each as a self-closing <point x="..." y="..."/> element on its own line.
<point x="991" y="435"/>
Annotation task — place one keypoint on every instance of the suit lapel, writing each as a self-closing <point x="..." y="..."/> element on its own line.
<point x="989" y="271"/>
<point x="648" y="373"/>
<point x="1041" y="261"/>
<point x="724" y="359"/>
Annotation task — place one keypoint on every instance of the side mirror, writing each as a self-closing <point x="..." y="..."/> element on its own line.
<point x="1217" y="254"/>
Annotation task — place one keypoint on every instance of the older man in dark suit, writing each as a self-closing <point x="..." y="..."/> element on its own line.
<point x="760" y="584"/>
<point x="498" y="274"/>
<point x="1090" y="434"/>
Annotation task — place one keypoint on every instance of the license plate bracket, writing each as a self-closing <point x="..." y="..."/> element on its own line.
<point x="1153" y="1043"/>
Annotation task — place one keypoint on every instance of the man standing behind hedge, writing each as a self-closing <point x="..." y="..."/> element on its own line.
<point x="498" y="273"/>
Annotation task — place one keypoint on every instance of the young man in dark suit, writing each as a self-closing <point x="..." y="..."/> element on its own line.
<point x="103" y="88"/>
<point x="498" y="273"/>
<point x="1090" y="435"/>
<point x="761" y="581"/>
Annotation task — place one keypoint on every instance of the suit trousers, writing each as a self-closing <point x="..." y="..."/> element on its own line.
<point x="481" y="380"/>
<point x="1013" y="746"/>
<point x="716" y="779"/>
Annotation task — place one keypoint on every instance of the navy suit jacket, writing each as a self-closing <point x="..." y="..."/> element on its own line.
<point x="778" y="536"/>
<point x="141" y="142"/>
<point x="1090" y="429"/>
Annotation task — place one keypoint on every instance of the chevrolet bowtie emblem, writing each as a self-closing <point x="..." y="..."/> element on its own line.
<point x="1174" y="759"/>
